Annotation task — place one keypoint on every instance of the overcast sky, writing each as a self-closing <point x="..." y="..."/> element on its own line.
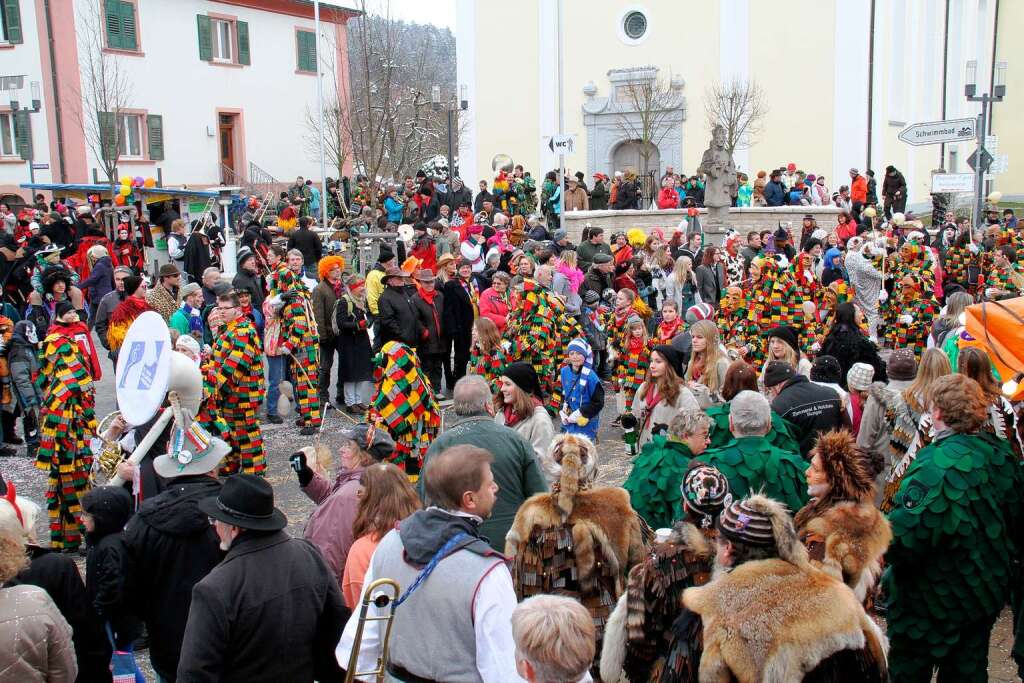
<point x="436" y="12"/>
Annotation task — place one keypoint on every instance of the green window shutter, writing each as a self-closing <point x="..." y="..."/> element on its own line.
<point x="306" y="41"/>
<point x="205" y="38"/>
<point x="108" y="135"/>
<point x="23" y="134"/>
<point x="112" y="19"/>
<point x="13" y="21"/>
<point x="155" y="126"/>
<point x="128" y="34"/>
<point x="243" y="41"/>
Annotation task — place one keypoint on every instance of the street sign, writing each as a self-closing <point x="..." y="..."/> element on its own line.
<point x="986" y="160"/>
<point x="1001" y="164"/>
<point x="562" y="144"/>
<point x="40" y="167"/>
<point x="936" y="132"/>
<point x="952" y="182"/>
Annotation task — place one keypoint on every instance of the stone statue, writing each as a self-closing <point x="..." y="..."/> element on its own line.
<point x="720" y="181"/>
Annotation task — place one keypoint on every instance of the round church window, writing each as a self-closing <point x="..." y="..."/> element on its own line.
<point x="635" y="25"/>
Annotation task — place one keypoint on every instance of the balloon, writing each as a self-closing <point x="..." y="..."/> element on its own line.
<point x="898" y="219"/>
<point x="119" y="200"/>
<point x="149" y="182"/>
<point x="126" y="180"/>
<point x="994" y="197"/>
<point x="125" y="191"/>
<point x="791" y="167"/>
<point x="138" y="180"/>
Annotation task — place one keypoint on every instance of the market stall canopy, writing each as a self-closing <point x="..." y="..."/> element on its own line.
<point x="149" y="195"/>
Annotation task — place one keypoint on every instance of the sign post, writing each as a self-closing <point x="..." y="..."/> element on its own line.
<point x="938" y="132"/>
<point x="952" y="182"/>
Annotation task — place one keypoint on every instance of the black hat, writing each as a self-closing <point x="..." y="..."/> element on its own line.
<point x="524" y="376"/>
<point x="245" y="501"/>
<point x="673" y="357"/>
<point x="62" y="308"/>
<point x="826" y="369"/>
<point x="777" y="372"/>
<point x="377" y="442"/>
<point x="132" y="284"/>
<point x="786" y="334"/>
<point x="385" y="254"/>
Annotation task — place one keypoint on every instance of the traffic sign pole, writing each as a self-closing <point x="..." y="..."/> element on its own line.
<point x="561" y="113"/>
<point x="979" y="172"/>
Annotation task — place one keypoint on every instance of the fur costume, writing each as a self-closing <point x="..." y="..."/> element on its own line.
<point x="162" y="300"/>
<point x="780" y="620"/>
<point x="67" y="423"/>
<point x="404" y="404"/>
<point x="577" y="540"/>
<point x="638" y="634"/>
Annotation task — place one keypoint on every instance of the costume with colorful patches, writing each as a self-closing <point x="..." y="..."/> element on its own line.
<point x="404" y="404"/>
<point x="772" y="300"/>
<point x="300" y="341"/>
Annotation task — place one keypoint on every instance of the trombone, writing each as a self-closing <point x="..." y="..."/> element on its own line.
<point x="380" y="601"/>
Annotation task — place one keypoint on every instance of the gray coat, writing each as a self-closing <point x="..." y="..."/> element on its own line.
<point x="24" y="364"/>
<point x="106" y="306"/>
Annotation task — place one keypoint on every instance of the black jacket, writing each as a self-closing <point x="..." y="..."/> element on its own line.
<point x="171" y="547"/>
<point x="595" y="281"/>
<point x="308" y="242"/>
<point x="271" y="611"/>
<point x="458" y="319"/>
<point x="627" y="196"/>
<point x="431" y="318"/>
<point x="456" y="198"/>
<point x="710" y="282"/>
<point x="849" y="347"/>
<point x="398" y="318"/>
<point x="254" y="283"/>
<point x="481" y="197"/>
<point x="811" y="409"/>
<point x="107" y="561"/>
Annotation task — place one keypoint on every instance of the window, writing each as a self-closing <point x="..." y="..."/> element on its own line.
<point x="10" y="21"/>
<point x="305" y="42"/>
<point x="222" y="40"/>
<point x="119" y="17"/>
<point x="635" y="25"/>
<point x="130" y="135"/>
<point x="7" y="148"/>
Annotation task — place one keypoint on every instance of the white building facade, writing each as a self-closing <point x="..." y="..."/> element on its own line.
<point x="216" y="88"/>
<point x="841" y="79"/>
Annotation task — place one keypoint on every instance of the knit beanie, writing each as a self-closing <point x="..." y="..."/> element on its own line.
<point x="699" y="312"/>
<point x="62" y="308"/>
<point x="705" y="491"/>
<point x="826" y="369"/>
<point x="525" y="377"/>
<point x="132" y="284"/>
<point x="673" y="357"/>
<point x="786" y="334"/>
<point x="741" y="523"/>
<point x="902" y="365"/>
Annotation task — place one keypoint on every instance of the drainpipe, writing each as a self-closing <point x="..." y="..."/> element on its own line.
<point x="871" y="80"/>
<point x="57" y="112"/>
<point x="945" y="75"/>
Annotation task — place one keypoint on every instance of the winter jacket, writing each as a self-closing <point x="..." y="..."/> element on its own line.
<point x="774" y="193"/>
<point x="398" y="318"/>
<point x="100" y="281"/>
<point x="456" y="198"/>
<point x="595" y="281"/>
<point x="668" y="198"/>
<point x="171" y="547"/>
<point x="394" y="209"/>
<point x="481" y="197"/>
<point x="35" y="640"/>
<point x="627" y="197"/>
<point x="271" y="611"/>
<point x="459" y="315"/>
<point x="430" y="316"/>
<point x="537" y="429"/>
<point x="494" y="306"/>
<point x="859" y="189"/>
<point x="330" y="525"/>
<point x="323" y="301"/>
<point x="101" y="323"/>
<point x="894" y="183"/>
<point x="308" y="242"/>
<point x="810" y="408"/>
<point x="254" y="283"/>
<point x="23" y="360"/>
<point x="661" y="415"/>
<point x="710" y="283"/>
<point x="587" y="251"/>
<point x="577" y="200"/>
<point x="599" y="196"/>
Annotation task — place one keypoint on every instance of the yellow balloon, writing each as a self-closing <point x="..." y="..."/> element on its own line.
<point x="126" y="180"/>
<point x="994" y="197"/>
<point x="125" y="190"/>
<point x="870" y="212"/>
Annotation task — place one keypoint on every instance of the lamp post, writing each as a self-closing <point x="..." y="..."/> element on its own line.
<point x="21" y="122"/>
<point x="997" y="94"/>
<point x="452" y="108"/>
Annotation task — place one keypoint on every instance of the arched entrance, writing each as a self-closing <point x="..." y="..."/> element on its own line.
<point x="641" y="157"/>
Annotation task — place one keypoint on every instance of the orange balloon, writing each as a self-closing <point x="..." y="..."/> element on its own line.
<point x="119" y="200"/>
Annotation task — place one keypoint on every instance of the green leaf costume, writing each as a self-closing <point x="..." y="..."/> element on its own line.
<point x="752" y="464"/>
<point x="653" y="483"/>
<point x="780" y="436"/>
<point x="956" y="525"/>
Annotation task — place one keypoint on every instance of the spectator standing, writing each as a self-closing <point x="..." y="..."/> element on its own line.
<point x="309" y="244"/>
<point x="461" y="298"/>
<point x="810" y="408"/>
<point x="495" y="300"/>
<point x="599" y="193"/>
<point x="774" y="191"/>
<point x="354" y="351"/>
<point x="325" y="298"/>
<point x="398" y="320"/>
<point x="576" y="198"/>
<point x="429" y="305"/>
<point x="519" y="404"/>
<point x="590" y="248"/>
<point x="555" y="639"/>
<point x="894" y="192"/>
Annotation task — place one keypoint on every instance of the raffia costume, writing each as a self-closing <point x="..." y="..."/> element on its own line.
<point x="951" y="562"/>
<point x="234" y="374"/>
<point x="300" y="341"/>
<point x="67" y="423"/>
<point x="578" y="540"/>
<point x="404" y="404"/>
<point x="917" y="302"/>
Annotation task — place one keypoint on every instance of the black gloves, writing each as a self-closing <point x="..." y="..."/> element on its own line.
<point x="298" y="461"/>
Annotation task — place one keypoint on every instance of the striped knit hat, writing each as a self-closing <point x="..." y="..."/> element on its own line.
<point x="705" y="491"/>
<point x="742" y="523"/>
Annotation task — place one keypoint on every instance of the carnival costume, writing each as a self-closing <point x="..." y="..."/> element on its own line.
<point x="580" y="412"/>
<point x="404" y="404"/>
<point x="67" y="423"/>
<point x="122" y="318"/>
<point x="634" y="357"/>
<point x="952" y="556"/>
<point x="771" y="301"/>
<point x="752" y="464"/>
<point x="234" y="374"/>
<point x="579" y="540"/>
<point x="780" y="435"/>
<point x="866" y="279"/>
<point x="639" y="632"/>
<point x="911" y="260"/>
<point x="488" y="365"/>
<point x="958" y="263"/>
<point x="540" y="331"/>
<point x="653" y="483"/>
<point x="299" y="340"/>
<point x="913" y="310"/>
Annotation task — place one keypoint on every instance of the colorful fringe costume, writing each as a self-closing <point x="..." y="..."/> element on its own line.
<point x="235" y="375"/>
<point x="910" y="260"/>
<point x="67" y="423"/>
<point x="921" y="307"/>
<point x="631" y="369"/>
<point x="488" y="365"/>
<point x="404" y="404"/>
<point x="1001" y="278"/>
<point x="957" y="265"/>
<point x="538" y="327"/>
<point x="300" y="341"/>
<point x="772" y="300"/>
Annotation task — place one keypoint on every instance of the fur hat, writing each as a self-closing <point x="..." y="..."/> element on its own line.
<point x="573" y="462"/>
<point x="53" y="275"/>
<point x="850" y="472"/>
<point x="762" y="522"/>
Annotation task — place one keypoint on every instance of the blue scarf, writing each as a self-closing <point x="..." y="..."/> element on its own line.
<point x="195" y="318"/>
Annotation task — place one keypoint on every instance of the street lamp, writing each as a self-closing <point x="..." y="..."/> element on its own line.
<point x="21" y="118"/>
<point x="452" y="108"/>
<point x="997" y="95"/>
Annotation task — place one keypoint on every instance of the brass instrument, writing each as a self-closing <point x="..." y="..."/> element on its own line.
<point x="380" y="601"/>
<point x="106" y="459"/>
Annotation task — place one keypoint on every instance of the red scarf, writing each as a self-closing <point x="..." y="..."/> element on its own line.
<point x="668" y="330"/>
<point x="512" y="419"/>
<point x="79" y="333"/>
<point x="636" y="344"/>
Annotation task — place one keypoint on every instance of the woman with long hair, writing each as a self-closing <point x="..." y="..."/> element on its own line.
<point x="487" y="357"/>
<point x="385" y="498"/>
<point x="848" y="344"/>
<point x="1002" y="418"/>
<point x="519" y="405"/>
<point x="783" y="345"/>
<point x="681" y="286"/>
<point x="708" y="362"/>
<point x="741" y="376"/>
<point x="710" y="275"/>
<point x="567" y="280"/>
<point x="663" y="394"/>
<point x="945" y="326"/>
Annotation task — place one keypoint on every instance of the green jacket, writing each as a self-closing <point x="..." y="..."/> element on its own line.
<point x="515" y="469"/>
<point x="780" y="436"/>
<point x="654" y="481"/>
<point x="752" y="465"/>
<point x="956" y="531"/>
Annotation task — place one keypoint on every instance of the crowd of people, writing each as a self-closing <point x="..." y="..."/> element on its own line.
<point x="814" y="440"/>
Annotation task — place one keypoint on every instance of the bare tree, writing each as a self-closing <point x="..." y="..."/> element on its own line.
<point x="645" y="109"/>
<point x="739" y="107"/>
<point x="105" y="92"/>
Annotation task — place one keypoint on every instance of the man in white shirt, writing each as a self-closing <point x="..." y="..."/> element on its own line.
<point x="453" y="621"/>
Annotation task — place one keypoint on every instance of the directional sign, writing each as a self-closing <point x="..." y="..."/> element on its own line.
<point x="40" y="167"/>
<point x="562" y="144"/>
<point x="935" y="132"/>
<point x="986" y="160"/>
<point x="952" y="182"/>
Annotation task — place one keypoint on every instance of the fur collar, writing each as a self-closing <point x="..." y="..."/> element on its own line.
<point x="855" y="536"/>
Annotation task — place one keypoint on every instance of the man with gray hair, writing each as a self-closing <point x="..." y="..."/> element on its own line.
<point x="751" y="463"/>
<point x="107" y="304"/>
<point x="515" y="466"/>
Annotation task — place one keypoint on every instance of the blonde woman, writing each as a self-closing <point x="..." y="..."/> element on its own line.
<point x="784" y="345"/>
<point x="708" y="362"/>
<point x="681" y="285"/>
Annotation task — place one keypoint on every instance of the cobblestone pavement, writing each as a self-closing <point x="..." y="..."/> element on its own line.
<point x="282" y="440"/>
